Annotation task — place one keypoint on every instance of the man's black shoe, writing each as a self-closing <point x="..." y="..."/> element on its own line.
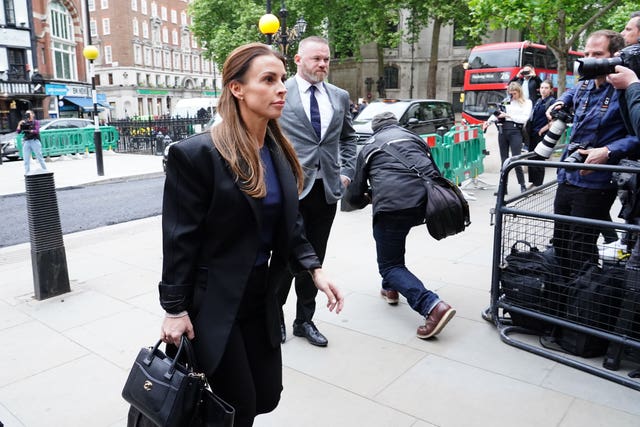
<point x="283" y="332"/>
<point x="310" y="332"/>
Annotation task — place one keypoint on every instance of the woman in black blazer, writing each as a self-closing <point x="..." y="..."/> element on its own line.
<point x="230" y="209"/>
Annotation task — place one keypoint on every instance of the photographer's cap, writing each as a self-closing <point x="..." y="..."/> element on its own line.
<point x="383" y="119"/>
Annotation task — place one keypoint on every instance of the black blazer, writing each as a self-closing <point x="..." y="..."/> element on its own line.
<point x="211" y="236"/>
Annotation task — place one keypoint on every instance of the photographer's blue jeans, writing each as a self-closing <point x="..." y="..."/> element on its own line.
<point x="32" y="146"/>
<point x="390" y="231"/>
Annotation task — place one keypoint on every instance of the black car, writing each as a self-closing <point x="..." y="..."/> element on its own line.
<point x="421" y="116"/>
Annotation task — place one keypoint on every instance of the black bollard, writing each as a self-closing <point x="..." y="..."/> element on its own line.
<point x="48" y="258"/>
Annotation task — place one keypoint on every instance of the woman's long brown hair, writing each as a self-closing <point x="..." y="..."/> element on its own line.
<point x="231" y="136"/>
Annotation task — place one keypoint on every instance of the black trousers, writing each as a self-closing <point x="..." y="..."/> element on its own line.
<point x="318" y="218"/>
<point x="536" y="173"/>
<point x="511" y="139"/>
<point x="249" y="376"/>
<point x="575" y="244"/>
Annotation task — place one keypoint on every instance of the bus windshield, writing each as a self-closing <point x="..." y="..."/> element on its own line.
<point x="494" y="59"/>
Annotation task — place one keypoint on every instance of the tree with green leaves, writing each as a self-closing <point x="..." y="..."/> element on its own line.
<point x="559" y="24"/>
<point x="437" y="13"/>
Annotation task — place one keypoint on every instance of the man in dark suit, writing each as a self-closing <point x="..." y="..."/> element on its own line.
<point x="317" y="121"/>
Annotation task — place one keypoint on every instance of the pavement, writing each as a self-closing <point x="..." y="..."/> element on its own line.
<point x="66" y="358"/>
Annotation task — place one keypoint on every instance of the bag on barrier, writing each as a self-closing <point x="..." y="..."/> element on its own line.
<point x="594" y="298"/>
<point x="172" y="394"/>
<point x="530" y="279"/>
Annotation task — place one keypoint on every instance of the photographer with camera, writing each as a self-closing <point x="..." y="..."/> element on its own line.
<point x="598" y="136"/>
<point x="30" y="128"/>
<point x="510" y="119"/>
<point x="530" y="83"/>
<point x="539" y="125"/>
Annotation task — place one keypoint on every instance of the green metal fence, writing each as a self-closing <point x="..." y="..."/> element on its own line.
<point x="59" y="142"/>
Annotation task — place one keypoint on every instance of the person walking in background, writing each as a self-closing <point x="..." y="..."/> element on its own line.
<point x="516" y="114"/>
<point x="317" y="121"/>
<point x="539" y="125"/>
<point x="229" y="211"/>
<point x="398" y="196"/>
<point x="29" y="127"/>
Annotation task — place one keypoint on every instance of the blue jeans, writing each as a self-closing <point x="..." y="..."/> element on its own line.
<point x="390" y="231"/>
<point x="32" y="146"/>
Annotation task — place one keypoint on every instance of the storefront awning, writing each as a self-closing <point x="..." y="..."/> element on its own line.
<point x="85" y="103"/>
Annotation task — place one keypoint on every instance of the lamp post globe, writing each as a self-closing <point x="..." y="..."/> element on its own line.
<point x="91" y="54"/>
<point x="269" y="24"/>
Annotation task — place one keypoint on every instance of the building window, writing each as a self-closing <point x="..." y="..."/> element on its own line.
<point x="63" y="45"/>
<point x="163" y="13"/>
<point x="17" y="69"/>
<point x="457" y="75"/>
<point x="194" y="43"/>
<point x="167" y="61"/>
<point x="110" y="77"/>
<point x="186" y="63"/>
<point x="459" y="39"/>
<point x="91" y="5"/>
<point x="147" y="56"/>
<point x="93" y="28"/>
<point x="196" y="64"/>
<point x="154" y="9"/>
<point x="9" y="12"/>
<point x="174" y="37"/>
<point x="134" y="5"/>
<point x="145" y="30"/>
<point x="137" y="54"/>
<point x="157" y="58"/>
<point x="391" y="77"/>
<point x="183" y="18"/>
<point x="165" y="35"/>
<point x="104" y="4"/>
<point x="174" y="16"/>
<point x="108" y="58"/>
<point x="143" y="7"/>
<point x="106" y="26"/>
<point x="136" y="30"/>
<point x="155" y="34"/>
<point x="176" y="61"/>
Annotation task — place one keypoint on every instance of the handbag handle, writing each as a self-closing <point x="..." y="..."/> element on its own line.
<point x="185" y="345"/>
<point x="524" y="242"/>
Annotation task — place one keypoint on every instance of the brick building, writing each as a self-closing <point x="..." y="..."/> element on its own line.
<point x="148" y="57"/>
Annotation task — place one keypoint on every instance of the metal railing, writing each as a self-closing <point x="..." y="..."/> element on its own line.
<point x="147" y="136"/>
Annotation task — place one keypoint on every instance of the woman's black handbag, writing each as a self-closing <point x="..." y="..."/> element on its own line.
<point x="173" y="394"/>
<point x="447" y="211"/>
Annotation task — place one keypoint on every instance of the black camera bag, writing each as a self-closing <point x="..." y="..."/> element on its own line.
<point x="529" y="279"/>
<point x="594" y="299"/>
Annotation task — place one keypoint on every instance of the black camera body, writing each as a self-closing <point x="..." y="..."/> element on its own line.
<point x="628" y="191"/>
<point x="573" y="155"/>
<point x="525" y="73"/>
<point x="589" y="68"/>
<point x="26" y="125"/>
<point x="561" y="118"/>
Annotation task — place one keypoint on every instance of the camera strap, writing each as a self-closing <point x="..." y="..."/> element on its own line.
<point x="605" y="102"/>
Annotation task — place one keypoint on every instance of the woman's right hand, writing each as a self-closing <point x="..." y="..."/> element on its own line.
<point x="174" y="327"/>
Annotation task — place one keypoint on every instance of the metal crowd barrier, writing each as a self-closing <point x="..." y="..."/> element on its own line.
<point x="58" y="142"/>
<point x="529" y="217"/>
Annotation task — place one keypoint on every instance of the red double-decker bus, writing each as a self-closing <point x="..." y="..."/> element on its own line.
<point x="491" y="66"/>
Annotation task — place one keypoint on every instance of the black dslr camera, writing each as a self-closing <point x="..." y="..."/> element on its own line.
<point x="27" y="125"/>
<point x="561" y="118"/>
<point x="589" y="68"/>
<point x="573" y="155"/>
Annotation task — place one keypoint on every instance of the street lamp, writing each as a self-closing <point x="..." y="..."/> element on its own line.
<point x="270" y="26"/>
<point x="91" y="54"/>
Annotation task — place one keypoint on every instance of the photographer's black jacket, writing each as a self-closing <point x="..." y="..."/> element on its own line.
<point x="393" y="186"/>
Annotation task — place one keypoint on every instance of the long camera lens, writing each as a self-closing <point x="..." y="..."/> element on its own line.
<point x="550" y="139"/>
<point x="590" y="68"/>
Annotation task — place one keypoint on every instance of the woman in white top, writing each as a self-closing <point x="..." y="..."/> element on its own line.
<point x="511" y="121"/>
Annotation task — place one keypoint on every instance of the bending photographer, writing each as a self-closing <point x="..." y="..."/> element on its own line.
<point x="599" y="136"/>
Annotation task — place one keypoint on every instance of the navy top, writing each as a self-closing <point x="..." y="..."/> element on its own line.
<point x="538" y="115"/>
<point x="271" y="207"/>
<point x="597" y="123"/>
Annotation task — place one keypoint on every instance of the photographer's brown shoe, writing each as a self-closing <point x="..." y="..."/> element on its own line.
<point x="390" y="296"/>
<point x="436" y="320"/>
